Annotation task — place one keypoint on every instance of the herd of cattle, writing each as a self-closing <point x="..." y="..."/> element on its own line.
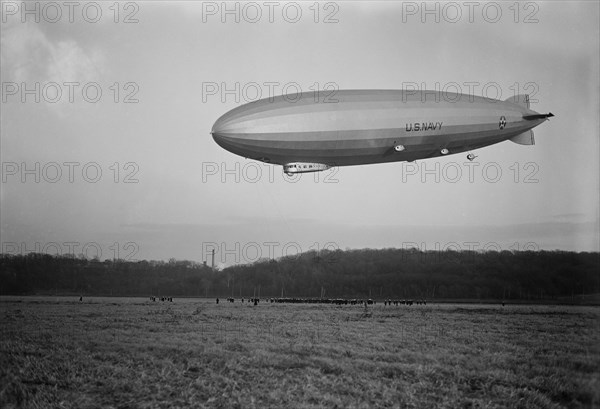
<point x="153" y="298"/>
<point x="336" y="301"/>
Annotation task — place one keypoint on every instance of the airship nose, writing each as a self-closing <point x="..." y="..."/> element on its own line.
<point x="217" y="131"/>
<point x="218" y="138"/>
<point x="226" y="141"/>
<point x="220" y="129"/>
<point x="225" y="133"/>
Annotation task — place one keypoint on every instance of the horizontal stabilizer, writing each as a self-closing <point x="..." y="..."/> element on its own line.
<point x="521" y="99"/>
<point x="538" y="116"/>
<point x="525" y="138"/>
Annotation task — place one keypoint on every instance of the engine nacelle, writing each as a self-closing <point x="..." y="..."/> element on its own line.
<point x="304" y="167"/>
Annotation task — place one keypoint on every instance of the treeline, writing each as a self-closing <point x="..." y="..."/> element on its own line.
<point x="368" y="273"/>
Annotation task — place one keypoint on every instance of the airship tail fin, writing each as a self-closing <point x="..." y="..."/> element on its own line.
<point x="525" y="138"/>
<point x="538" y="116"/>
<point x="521" y="99"/>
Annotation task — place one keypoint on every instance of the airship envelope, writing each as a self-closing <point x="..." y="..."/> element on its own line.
<point x="313" y="131"/>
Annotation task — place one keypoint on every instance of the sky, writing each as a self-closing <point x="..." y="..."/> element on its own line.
<point x="107" y="108"/>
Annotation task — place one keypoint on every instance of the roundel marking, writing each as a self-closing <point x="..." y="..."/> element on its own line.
<point x="502" y="123"/>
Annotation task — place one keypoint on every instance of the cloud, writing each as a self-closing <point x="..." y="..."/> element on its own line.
<point x="24" y="49"/>
<point x="29" y="56"/>
<point x="69" y="61"/>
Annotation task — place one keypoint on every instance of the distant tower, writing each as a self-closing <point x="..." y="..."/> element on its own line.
<point x="213" y="259"/>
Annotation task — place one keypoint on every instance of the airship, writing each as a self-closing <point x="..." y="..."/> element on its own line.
<point x="313" y="131"/>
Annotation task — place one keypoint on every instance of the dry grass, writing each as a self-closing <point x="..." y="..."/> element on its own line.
<point x="133" y="353"/>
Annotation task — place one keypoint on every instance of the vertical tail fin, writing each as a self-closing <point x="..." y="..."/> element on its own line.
<point x="521" y="99"/>
<point x="525" y="138"/>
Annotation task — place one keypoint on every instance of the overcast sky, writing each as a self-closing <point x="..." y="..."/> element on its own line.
<point x="166" y="71"/>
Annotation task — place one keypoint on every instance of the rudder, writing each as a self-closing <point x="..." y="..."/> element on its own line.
<point x="525" y="138"/>
<point x="521" y="99"/>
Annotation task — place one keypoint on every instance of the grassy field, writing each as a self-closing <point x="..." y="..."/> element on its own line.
<point x="134" y="353"/>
